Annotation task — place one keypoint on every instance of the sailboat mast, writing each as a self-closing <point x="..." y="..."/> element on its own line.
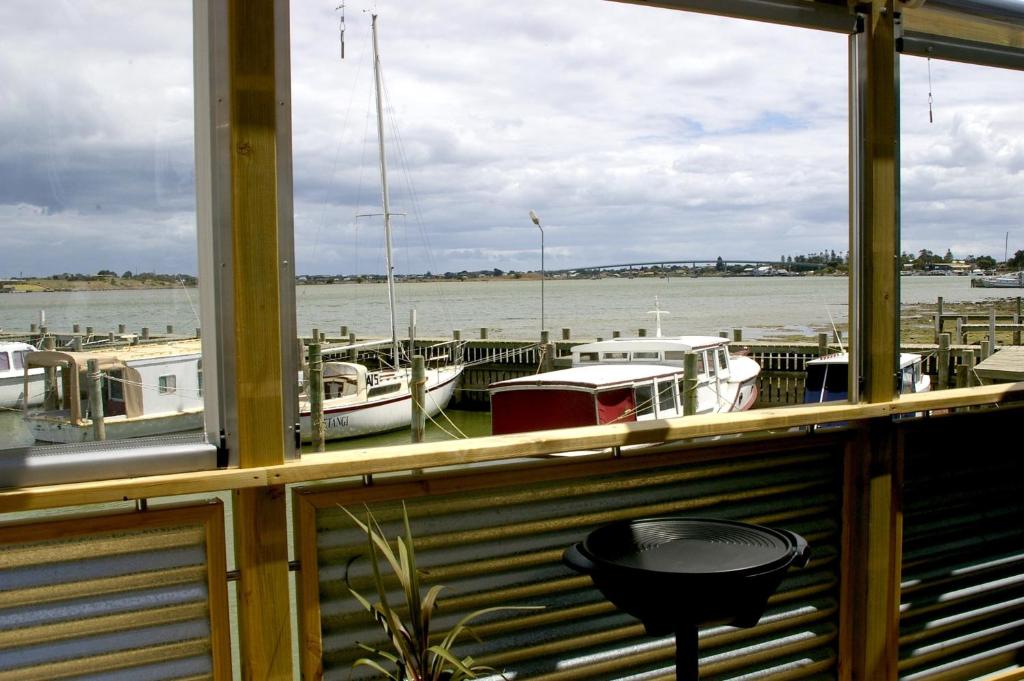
<point x="384" y="194"/>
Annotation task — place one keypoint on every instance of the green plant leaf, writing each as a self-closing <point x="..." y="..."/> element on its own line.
<point x="367" y="662"/>
<point x="455" y="663"/>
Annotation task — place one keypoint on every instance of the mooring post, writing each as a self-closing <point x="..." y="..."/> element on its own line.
<point x="642" y="333"/>
<point x="547" y="352"/>
<point x="616" y="334"/>
<point x="1016" y="331"/>
<point x="75" y="328"/>
<point x="32" y="327"/>
<point x="419" y="398"/>
<point x="689" y="396"/>
<point x="121" y="328"/>
<point x="51" y="398"/>
<point x="353" y="354"/>
<point x="991" y="332"/>
<point x="938" y="318"/>
<point x="344" y="330"/>
<point x="822" y="344"/>
<point x="145" y="333"/>
<point x="457" y="334"/>
<point x="565" y="334"/>
<point x="314" y="336"/>
<point x="960" y="340"/>
<point x="723" y="334"/>
<point x="110" y="337"/>
<point x="170" y="329"/>
<point x="199" y="332"/>
<point x="88" y="331"/>
<point x="76" y="343"/>
<point x="94" y="389"/>
<point x="318" y="432"/>
<point x="943" y="361"/>
<point x="737" y="335"/>
<point x="969" y="360"/>
<point x="984" y="350"/>
<point x="483" y="333"/>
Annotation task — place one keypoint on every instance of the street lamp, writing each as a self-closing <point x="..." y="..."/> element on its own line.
<point x="536" y="221"/>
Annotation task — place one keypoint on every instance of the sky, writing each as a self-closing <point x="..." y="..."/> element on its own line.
<point x="636" y="134"/>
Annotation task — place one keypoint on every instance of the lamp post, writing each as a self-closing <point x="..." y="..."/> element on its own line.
<point x="536" y="221"/>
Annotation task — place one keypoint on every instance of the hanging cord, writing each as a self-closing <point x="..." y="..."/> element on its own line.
<point x="460" y="433"/>
<point x="930" y="119"/>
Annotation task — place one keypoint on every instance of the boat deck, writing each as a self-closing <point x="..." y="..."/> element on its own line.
<point x="1005" y="365"/>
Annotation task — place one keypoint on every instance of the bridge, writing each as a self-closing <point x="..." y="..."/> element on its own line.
<point x="754" y="262"/>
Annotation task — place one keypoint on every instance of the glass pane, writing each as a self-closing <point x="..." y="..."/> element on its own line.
<point x="97" y="201"/>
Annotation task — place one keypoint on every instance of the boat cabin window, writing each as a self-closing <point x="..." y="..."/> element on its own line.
<point x="675" y="355"/>
<point x="709" y="362"/>
<point x="907" y="380"/>
<point x="114" y="381"/>
<point x="379" y="390"/>
<point x="723" y="359"/>
<point x="826" y="382"/>
<point x="666" y="395"/>
<point x="5" y="361"/>
<point x="613" y="356"/>
<point x="588" y="357"/>
<point x="168" y="385"/>
<point x="643" y="395"/>
<point x="645" y="355"/>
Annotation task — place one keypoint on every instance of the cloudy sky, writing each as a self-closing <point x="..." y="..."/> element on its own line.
<point x="636" y="134"/>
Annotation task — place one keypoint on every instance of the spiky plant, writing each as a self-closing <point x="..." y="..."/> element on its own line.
<point x="412" y="654"/>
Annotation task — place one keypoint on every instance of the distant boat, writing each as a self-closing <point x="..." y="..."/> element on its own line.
<point x="623" y="380"/>
<point x="1011" y="280"/>
<point x="828" y="377"/>
<point x="15" y="384"/>
<point x="151" y="389"/>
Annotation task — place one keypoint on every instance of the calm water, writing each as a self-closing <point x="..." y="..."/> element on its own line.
<point x="509" y="309"/>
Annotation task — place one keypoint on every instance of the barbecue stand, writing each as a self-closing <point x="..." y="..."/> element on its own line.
<point x="675" y="574"/>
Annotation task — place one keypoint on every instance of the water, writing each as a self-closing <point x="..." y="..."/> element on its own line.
<point x="508" y="308"/>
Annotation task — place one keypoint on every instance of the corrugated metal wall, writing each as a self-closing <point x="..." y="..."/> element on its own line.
<point x="497" y="539"/>
<point x="115" y="597"/>
<point x="962" y="596"/>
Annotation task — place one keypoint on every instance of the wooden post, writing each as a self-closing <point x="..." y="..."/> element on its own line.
<point x="75" y="328"/>
<point x="483" y="333"/>
<point x="88" y="331"/>
<point x="344" y="330"/>
<point x="943" y="362"/>
<point x="1016" y="332"/>
<point x="457" y="334"/>
<point x="76" y="343"/>
<point x="44" y="330"/>
<point x="419" y="398"/>
<point x="616" y="334"/>
<point x="868" y="643"/>
<point x="723" y="334"/>
<point x="170" y="329"/>
<point x="960" y="336"/>
<point x="642" y="333"/>
<point x="968" y="365"/>
<point x="199" y="332"/>
<point x="32" y="327"/>
<point x="938" y="318"/>
<point x="110" y="337"/>
<point x="318" y="433"/>
<point x="145" y="333"/>
<point x="991" y="332"/>
<point x="737" y="335"/>
<point x="51" y="396"/>
<point x="689" y="396"/>
<point x="547" y="352"/>
<point x="565" y="334"/>
<point x="121" y="328"/>
<point x="353" y="354"/>
<point x="822" y="344"/>
<point x="94" y="389"/>
<point x="545" y="337"/>
<point x="314" y="336"/>
<point x="984" y="350"/>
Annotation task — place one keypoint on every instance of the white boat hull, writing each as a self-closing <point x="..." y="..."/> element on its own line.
<point x="54" y="428"/>
<point x="12" y="390"/>
<point x="344" y="419"/>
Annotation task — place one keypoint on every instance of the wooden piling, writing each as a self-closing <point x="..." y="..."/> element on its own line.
<point x="418" y="384"/>
<point x="960" y="330"/>
<point x="75" y="328"/>
<point x="121" y="328"/>
<point x="95" y="392"/>
<point x="642" y="333"/>
<point x="822" y="344"/>
<point x="1016" y="332"/>
<point x="344" y="330"/>
<point x="483" y="333"/>
<point x="616" y="334"/>
<point x="737" y="335"/>
<point x="170" y="329"/>
<point x="457" y="334"/>
<point x="565" y="334"/>
<point x="942" y="370"/>
<point x="88" y="331"/>
<point x="76" y="343"/>
<point x="689" y="396"/>
<point x="991" y="332"/>
<point x="938" y="318"/>
<point x="32" y="328"/>
<point x="51" y="397"/>
<point x="315" y="388"/>
<point x="984" y="350"/>
<point x="545" y="337"/>
<point x="968" y="369"/>
<point x="723" y="334"/>
<point x="145" y="333"/>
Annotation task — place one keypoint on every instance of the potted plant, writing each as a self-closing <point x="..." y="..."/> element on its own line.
<point x="413" y="655"/>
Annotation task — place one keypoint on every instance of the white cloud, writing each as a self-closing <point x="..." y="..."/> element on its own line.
<point x="636" y="133"/>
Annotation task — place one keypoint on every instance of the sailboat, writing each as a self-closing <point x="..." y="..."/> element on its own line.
<point x="362" y="399"/>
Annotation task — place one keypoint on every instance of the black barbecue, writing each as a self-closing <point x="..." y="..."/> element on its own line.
<point x="675" y="574"/>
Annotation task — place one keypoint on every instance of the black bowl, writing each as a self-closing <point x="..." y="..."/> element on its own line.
<point x="674" y="571"/>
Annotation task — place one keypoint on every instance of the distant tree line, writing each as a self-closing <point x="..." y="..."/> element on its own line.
<point x="182" y="279"/>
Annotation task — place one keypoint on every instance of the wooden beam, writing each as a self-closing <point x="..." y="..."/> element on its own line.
<point x="762" y="423"/>
<point x="261" y="547"/>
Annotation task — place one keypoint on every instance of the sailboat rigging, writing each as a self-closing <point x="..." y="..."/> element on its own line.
<point x="361" y="398"/>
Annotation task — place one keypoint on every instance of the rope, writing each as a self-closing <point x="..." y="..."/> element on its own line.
<point x="144" y="386"/>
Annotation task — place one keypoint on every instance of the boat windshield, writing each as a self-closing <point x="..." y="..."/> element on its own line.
<point x="826" y="382"/>
<point x="644" y="398"/>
